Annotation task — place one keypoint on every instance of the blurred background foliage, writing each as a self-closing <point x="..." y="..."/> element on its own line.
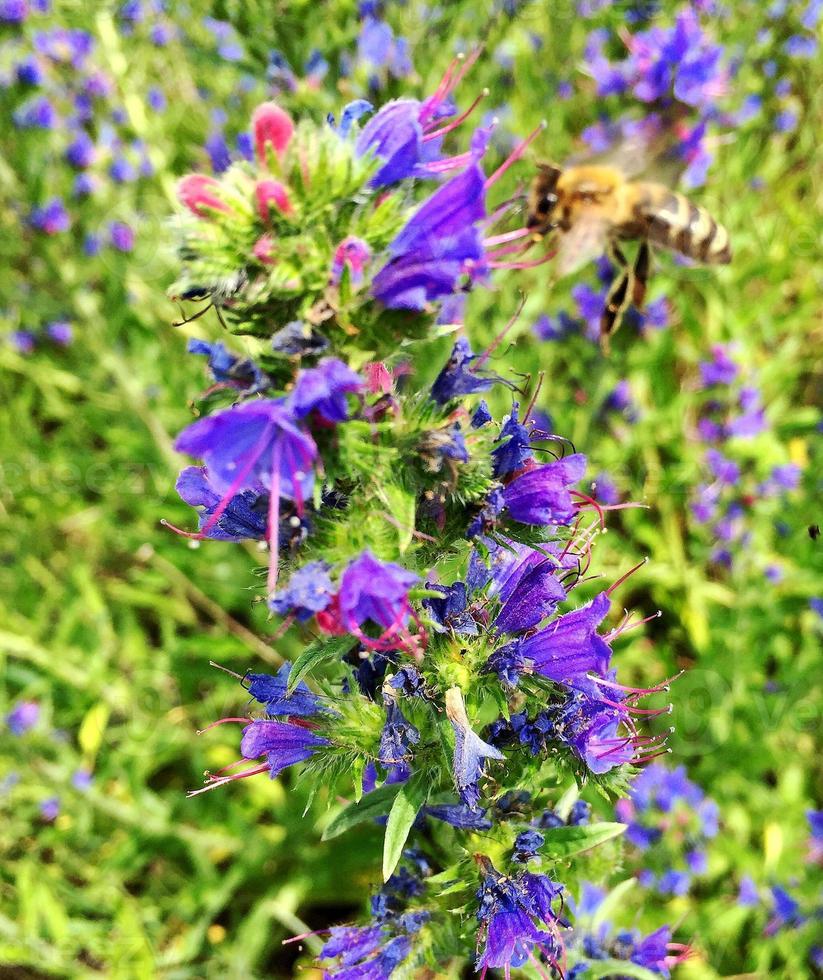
<point x="107" y="623"/>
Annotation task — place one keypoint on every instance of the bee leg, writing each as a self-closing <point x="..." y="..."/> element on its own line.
<point x="642" y="265"/>
<point x="616" y="303"/>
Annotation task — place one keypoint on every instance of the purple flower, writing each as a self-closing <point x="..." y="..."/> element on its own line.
<point x="674" y="882"/>
<point x="724" y="470"/>
<point x="13" y="11"/>
<point x="752" y="421"/>
<point x="457" y="377"/>
<point x="23" y="716"/>
<point x="50" y="808"/>
<point x="228" y="368"/>
<point x="529" y="593"/>
<point x="253" y="444"/>
<point x="51" y="218"/>
<point x="398" y="738"/>
<point x="801" y="46"/>
<point x="37" y="113"/>
<point x="60" y="332"/>
<point x="570" y="647"/>
<point x="589" y="727"/>
<point x="243" y="517"/>
<point x="785" y="912"/>
<point x="787" y="477"/>
<point x="65" y="46"/>
<point x="81" y="152"/>
<point x="470" y="751"/>
<point x="309" y="592"/>
<point x="526" y="845"/>
<point x="323" y="390"/>
<point x="122" y="236"/>
<point x="376" y="591"/>
<point x="440" y="243"/>
<point x="747" y="896"/>
<point x="282" y="743"/>
<point x="509" y="911"/>
<point x="652" y="952"/>
<point x="459" y="815"/>
<point x="219" y="153"/>
<point x="271" y="691"/>
<point x="451" y="612"/>
<point x="156" y="99"/>
<point x="541" y="495"/>
<point x="605" y="490"/>
<point x="514" y="448"/>
<point x="721" y="370"/>
<point x="82" y="779"/>
<point x="23" y="341"/>
<point x="352" y="253"/>
<point x="29" y="72"/>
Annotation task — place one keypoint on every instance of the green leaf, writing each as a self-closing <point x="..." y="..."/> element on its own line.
<point x="326" y="648"/>
<point x="374" y="804"/>
<point x="618" y="968"/>
<point x="562" y="842"/>
<point x="403" y="812"/>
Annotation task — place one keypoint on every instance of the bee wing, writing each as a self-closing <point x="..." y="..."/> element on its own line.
<point x="585" y="241"/>
<point x="646" y="149"/>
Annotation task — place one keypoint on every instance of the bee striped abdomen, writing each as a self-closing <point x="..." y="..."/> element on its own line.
<point x="675" y="222"/>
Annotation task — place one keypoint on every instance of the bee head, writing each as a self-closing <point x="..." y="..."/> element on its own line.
<point x="544" y="198"/>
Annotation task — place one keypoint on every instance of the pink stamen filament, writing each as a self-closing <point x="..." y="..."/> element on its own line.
<point x="506" y="236"/>
<point x="274" y="522"/>
<point x="456" y="122"/>
<point x="632" y="709"/>
<point x="222" y="780"/>
<point x="487" y="353"/>
<point x="642" y="760"/>
<point x="514" y="248"/>
<point x="449" y="163"/>
<point x="224" y="721"/>
<point x="592" y="503"/>
<point x="625" y="576"/>
<point x="515" y="155"/>
<point x="625" y="626"/>
<point x="662" y="686"/>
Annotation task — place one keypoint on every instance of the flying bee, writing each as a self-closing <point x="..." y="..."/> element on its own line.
<point x="592" y="208"/>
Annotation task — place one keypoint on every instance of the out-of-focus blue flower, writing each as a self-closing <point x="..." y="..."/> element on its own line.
<point x="723" y="469"/>
<point x="29" y="72"/>
<point x="50" y="808"/>
<point x="785" y="912"/>
<point x="37" y="113"/>
<point x="747" y="896"/>
<point x="82" y="779"/>
<point x="13" y="11"/>
<point x="218" y="151"/>
<point x="323" y="390"/>
<point x="52" y="218"/>
<point x="122" y="236"/>
<point x="22" y="717"/>
<point x="60" y="332"/>
<point x="309" y="592"/>
<point x="23" y="341"/>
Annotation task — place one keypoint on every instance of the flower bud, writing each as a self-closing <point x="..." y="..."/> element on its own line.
<point x="271" y="124"/>
<point x="196" y="191"/>
<point x="271" y="192"/>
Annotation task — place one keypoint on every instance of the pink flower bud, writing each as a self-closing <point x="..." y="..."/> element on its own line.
<point x="196" y="191"/>
<point x="271" y="124"/>
<point x="270" y="192"/>
<point x="355" y="253"/>
<point x="379" y="380"/>
<point x="264" y="249"/>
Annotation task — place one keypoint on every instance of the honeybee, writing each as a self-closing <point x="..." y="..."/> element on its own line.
<point x="593" y="207"/>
